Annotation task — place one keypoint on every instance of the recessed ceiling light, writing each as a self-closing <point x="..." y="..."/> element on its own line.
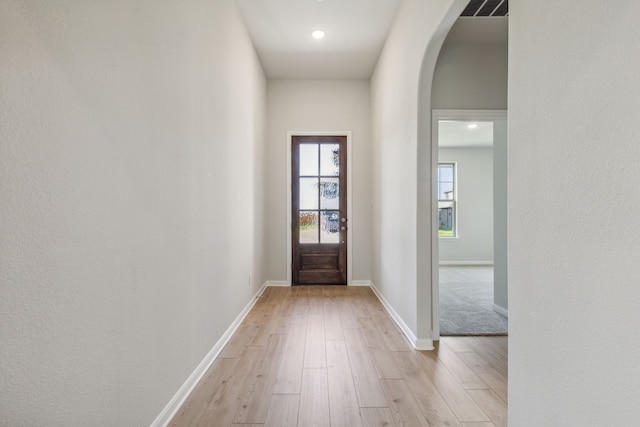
<point x="317" y="34"/>
<point x="472" y="126"/>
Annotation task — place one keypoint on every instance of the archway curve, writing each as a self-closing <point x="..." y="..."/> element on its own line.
<point x="426" y="239"/>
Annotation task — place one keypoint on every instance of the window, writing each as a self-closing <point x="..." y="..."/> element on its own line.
<point x="447" y="200"/>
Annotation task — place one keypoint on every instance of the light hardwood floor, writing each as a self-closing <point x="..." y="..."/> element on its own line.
<point x="332" y="356"/>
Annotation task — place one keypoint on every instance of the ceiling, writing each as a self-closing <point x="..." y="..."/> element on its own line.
<point x="457" y="134"/>
<point x="355" y="34"/>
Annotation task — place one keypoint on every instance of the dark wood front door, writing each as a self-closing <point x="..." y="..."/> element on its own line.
<point x="319" y="209"/>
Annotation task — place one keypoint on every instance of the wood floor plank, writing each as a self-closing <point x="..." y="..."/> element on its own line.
<point x="494" y="358"/>
<point x="492" y="405"/>
<point x="457" y="344"/>
<point x="489" y="375"/>
<point x="273" y="322"/>
<point x="246" y="333"/>
<point x="483" y="424"/>
<point x="259" y="385"/>
<point x="283" y="411"/>
<point x="314" y="399"/>
<point x="298" y="309"/>
<point x="222" y="406"/>
<point x="343" y="402"/>
<point x="365" y="378"/>
<point x="498" y="343"/>
<point x="236" y="344"/>
<point x="434" y="407"/>
<point x="348" y="318"/>
<point x="200" y="399"/>
<point x="405" y="409"/>
<point x="372" y="336"/>
<point x="360" y="301"/>
<point x="451" y="390"/>
<point x="391" y="333"/>
<point x="380" y="336"/>
<point x="377" y="417"/>
<point x="466" y="376"/>
<point x="315" y="297"/>
<point x="315" y="354"/>
<point x="289" y="374"/>
<point x="385" y="365"/>
<point x="332" y="323"/>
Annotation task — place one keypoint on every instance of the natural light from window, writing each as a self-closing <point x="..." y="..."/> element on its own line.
<point x="447" y="200"/>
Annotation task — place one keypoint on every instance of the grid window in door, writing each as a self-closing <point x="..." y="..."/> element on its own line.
<point x="319" y="193"/>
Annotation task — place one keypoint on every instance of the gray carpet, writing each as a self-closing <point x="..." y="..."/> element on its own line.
<point x="466" y="302"/>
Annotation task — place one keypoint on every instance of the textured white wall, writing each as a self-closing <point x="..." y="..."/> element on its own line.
<point x="475" y="206"/>
<point x="318" y="105"/>
<point x="401" y="189"/>
<point x="574" y="235"/>
<point x="471" y="76"/>
<point x="130" y="141"/>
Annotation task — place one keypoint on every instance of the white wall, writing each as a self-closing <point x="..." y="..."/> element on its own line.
<point x="130" y="141"/>
<point x="471" y="76"/>
<point x="574" y="235"/>
<point x="314" y="105"/>
<point x="401" y="190"/>
<point x="474" y="243"/>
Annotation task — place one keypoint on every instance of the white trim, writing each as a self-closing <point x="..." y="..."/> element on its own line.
<point x="276" y="283"/>
<point x="436" y="115"/>
<point x="470" y="263"/>
<point x="349" y="196"/>
<point x="360" y="283"/>
<point x="418" y="344"/>
<point x="435" y="238"/>
<point x="176" y="402"/>
<point x="469" y="115"/>
<point x="501" y="310"/>
<point x="424" y="345"/>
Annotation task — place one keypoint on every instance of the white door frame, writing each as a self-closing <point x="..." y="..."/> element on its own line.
<point x="437" y="115"/>
<point x="349" y="197"/>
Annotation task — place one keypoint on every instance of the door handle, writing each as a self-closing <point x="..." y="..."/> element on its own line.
<point x="343" y="228"/>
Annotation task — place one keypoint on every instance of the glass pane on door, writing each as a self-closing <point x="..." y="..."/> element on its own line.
<point x="329" y="193"/>
<point x="330" y="227"/>
<point x="308" y="159"/>
<point x="329" y="160"/>
<point x="308" y="227"/>
<point x="309" y="193"/>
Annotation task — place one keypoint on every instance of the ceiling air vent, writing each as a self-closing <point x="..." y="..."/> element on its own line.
<point x="483" y="8"/>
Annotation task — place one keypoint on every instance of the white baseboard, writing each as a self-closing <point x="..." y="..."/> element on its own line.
<point x="360" y="283"/>
<point x="426" y="345"/>
<point x="418" y="344"/>
<point x="461" y="263"/>
<point x="179" y="398"/>
<point x="276" y="283"/>
<point x="501" y="310"/>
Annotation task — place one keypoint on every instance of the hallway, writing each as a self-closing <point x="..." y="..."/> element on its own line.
<point x="332" y="356"/>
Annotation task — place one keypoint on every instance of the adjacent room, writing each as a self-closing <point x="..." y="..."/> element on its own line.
<point x="469" y="119"/>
